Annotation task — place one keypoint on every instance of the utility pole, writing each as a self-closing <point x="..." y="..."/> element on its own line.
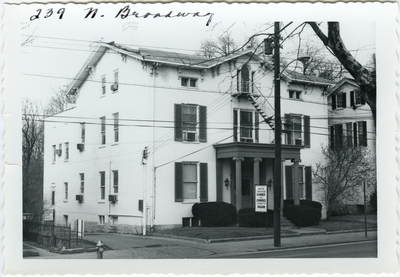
<point x="278" y="131"/>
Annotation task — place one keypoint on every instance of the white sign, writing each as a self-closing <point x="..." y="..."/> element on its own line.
<point x="261" y="198"/>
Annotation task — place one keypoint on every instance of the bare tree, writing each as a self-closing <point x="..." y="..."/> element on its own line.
<point x="223" y="46"/>
<point x="57" y="102"/>
<point x="365" y="78"/>
<point x="340" y="176"/>
<point x="32" y="159"/>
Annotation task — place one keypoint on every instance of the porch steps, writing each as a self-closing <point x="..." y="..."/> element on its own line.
<point x="286" y="223"/>
<point x="262" y="106"/>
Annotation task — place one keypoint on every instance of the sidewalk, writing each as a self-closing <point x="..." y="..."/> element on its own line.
<point x="151" y="247"/>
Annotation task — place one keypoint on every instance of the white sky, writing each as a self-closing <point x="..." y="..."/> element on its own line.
<point x="62" y="46"/>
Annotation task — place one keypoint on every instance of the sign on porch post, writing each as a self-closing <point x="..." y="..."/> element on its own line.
<point x="261" y="198"/>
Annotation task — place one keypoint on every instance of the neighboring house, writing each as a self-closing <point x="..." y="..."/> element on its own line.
<point x="148" y="133"/>
<point x="351" y="124"/>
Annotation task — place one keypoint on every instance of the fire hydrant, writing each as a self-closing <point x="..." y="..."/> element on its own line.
<point x="100" y="249"/>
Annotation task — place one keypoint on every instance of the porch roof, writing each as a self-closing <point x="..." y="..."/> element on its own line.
<point x="256" y="150"/>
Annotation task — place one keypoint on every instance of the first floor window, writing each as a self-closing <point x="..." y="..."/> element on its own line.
<point x="65" y="191"/>
<point x="82" y="185"/>
<point x="305" y="185"/>
<point x="115" y="181"/>
<point x="191" y="181"/>
<point x="101" y="219"/>
<point x="65" y="219"/>
<point x="102" y="185"/>
<point x="295" y="94"/>
<point x="114" y="220"/>
<point x="83" y="132"/>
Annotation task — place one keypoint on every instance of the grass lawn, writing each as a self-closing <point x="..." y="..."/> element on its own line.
<point x="348" y="222"/>
<point x="220" y="232"/>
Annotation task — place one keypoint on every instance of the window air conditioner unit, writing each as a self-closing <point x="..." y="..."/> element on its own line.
<point x="190" y="136"/>
<point x="80" y="146"/>
<point x="298" y="142"/>
<point x="59" y="152"/>
<point x="79" y="198"/>
<point x="112" y="198"/>
<point x="114" y="87"/>
<point x="246" y="140"/>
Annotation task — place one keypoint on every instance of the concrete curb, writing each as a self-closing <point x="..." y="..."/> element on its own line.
<point x="349" y="231"/>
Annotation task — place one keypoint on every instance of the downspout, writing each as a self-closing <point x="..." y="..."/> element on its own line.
<point x="153" y="191"/>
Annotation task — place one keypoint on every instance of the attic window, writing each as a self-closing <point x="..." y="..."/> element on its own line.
<point x="188" y="82"/>
<point x="295" y="94"/>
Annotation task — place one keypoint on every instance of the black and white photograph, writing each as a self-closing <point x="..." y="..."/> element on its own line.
<point x="203" y="135"/>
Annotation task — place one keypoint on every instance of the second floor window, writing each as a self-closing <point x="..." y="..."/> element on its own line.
<point x="103" y="130"/>
<point x="116" y="127"/>
<point x="348" y="134"/>
<point x="190" y="123"/>
<point x="295" y="94"/>
<point x="245" y="126"/>
<point x="297" y="129"/>
<point x="339" y="101"/>
<point x="356" y="99"/>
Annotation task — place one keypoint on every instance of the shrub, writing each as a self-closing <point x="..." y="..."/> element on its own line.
<point x="302" y="216"/>
<point x="215" y="214"/>
<point x="308" y="203"/>
<point x="247" y="217"/>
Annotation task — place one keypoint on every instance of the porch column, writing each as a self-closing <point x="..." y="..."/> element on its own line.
<point x="296" y="186"/>
<point x="257" y="171"/>
<point x="238" y="180"/>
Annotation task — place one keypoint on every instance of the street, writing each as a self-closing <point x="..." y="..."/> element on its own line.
<point x="364" y="249"/>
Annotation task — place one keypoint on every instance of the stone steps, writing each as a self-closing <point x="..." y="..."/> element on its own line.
<point x="286" y="223"/>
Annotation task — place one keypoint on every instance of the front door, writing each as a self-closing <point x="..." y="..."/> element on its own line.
<point x="247" y="193"/>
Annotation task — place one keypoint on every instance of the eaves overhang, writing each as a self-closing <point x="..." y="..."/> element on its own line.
<point x="256" y="150"/>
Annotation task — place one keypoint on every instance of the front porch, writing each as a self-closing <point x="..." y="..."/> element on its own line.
<point x="241" y="166"/>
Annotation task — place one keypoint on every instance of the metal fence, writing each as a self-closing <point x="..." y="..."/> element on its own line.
<point x="49" y="235"/>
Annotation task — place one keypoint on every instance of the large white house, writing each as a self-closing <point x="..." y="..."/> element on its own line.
<point x="148" y="133"/>
<point x="351" y="124"/>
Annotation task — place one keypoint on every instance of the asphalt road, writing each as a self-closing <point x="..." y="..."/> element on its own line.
<point x="367" y="249"/>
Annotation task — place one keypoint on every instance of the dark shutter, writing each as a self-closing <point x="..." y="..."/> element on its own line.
<point x="178" y="183"/>
<point x="332" y="137"/>
<point x="355" y="134"/>
<point x="288" y="128"/>
<point x="289" y="182"/>
<point x="339" y="135"/>
<point x="307" y="138"/>
<point x="178" y="123"/>
<point x="333" y="102"/>
<point x="365" y="133"/>
<point x="203" y="182"/>
<point x="257" y="126"/>
<point x="235" y="124"/>
<point x="352" y="97"/>
<point x="238" y="79"/>
<point x="307" y="170"/>
<point x="203" y="124"/>
<point x="344" y="104"/>
<point x="220" y="181"/>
